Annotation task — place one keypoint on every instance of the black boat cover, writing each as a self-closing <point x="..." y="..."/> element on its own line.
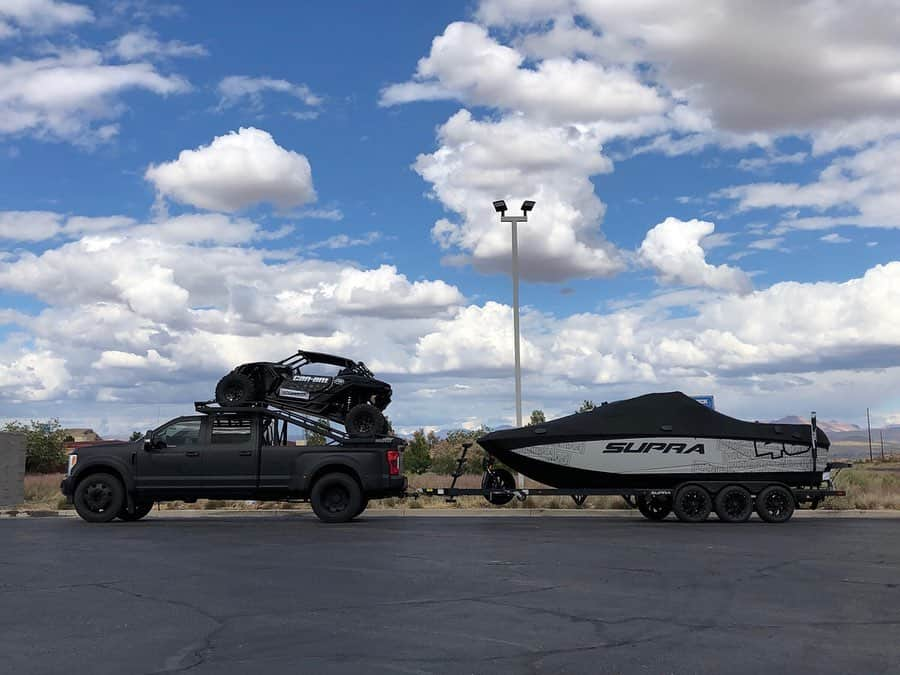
<point x="652" y="415"/>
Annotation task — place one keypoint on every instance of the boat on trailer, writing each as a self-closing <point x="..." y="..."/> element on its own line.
<point x="662" y="453"/>
<point x="660" y="441"/>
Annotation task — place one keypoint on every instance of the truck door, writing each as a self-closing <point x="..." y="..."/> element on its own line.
<point x="231" y="460"/>
<point x="172" y="464"/>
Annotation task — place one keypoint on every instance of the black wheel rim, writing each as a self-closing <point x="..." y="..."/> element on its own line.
<point x="693" y="503"/>
<point x="366" y="424"/>
<point x="336" y="499"/>
<point x="776" y="504"/>
<point x="97" y="497"/>
<point x="735" y="504"/>
<point x="656" y="507"/>
<point x="233" y="394"/>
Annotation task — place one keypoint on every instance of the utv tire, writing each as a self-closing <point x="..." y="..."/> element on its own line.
<point x="141" y="509"/>
<point x="336" y="498"/>
<point x="775" y="504"/>
<point x="365" y="420"/>
<point x="99" y="497"/>
<point x="734" y="504"/>
<point x="654" y="507"/>
<point x="498" y="479"/>
<point x="235" y="390"/>
<point x="692" y="504"/>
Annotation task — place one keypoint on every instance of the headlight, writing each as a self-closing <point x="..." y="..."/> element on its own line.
<point x="73" y="459"/>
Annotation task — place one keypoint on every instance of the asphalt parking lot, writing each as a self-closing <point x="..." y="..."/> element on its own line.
<point x="287" y="594"/>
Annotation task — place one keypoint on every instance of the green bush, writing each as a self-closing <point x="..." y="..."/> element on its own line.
<point x="44" y="445"/>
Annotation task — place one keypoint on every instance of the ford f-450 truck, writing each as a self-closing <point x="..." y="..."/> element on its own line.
<point x="237" y="454"/>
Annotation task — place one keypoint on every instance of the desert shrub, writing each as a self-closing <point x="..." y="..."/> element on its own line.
<point x="44" y="450"/>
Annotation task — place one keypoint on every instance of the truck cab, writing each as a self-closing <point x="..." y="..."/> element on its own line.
<point x="232" y="454"/>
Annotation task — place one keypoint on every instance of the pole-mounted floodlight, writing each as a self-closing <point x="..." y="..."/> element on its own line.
<point x="500" y="207"/>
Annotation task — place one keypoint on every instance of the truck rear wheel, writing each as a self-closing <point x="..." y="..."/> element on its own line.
<point x="692" y="504"/>
<point x="775" y="504"/>
<point x="654" y="507"/>
<point x="99" y="497"/>
<point x="734" y="504"/>
<point x="336" y="498"/>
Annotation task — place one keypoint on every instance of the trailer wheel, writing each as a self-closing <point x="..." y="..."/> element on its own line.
<point x="734" y="504"/>
<point x="336" y="498"/>
<point x="692" y="504"/>
<point x="654" y="507"/>
<point x="498" y="479"/>
<point x="775" y="504"/>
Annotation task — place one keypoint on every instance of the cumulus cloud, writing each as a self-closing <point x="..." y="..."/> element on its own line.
<point x="235" y="171"/>
<point x="482" y="161"/>
<point x="40" y="16"/>
<point x="72" y="95"/>
<point x="465" y="63"/>
<point x="140" y="44"/>
<point x="29" y="225"/>
<point x="236" y="89"/>
<point x="673" y="250"/>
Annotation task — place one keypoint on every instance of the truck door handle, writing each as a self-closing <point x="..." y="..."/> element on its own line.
<point x="245" y="453"/>
<point x="192" y="453"/>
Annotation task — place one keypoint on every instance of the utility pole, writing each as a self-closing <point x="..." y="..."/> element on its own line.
<point x="881" y="431"/>
<point x="500" y="207"/>
<point x="869" y="426"/>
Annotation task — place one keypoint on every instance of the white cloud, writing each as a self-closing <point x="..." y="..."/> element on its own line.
<point x="40" y="16"/>
<point x="345" y="241"/>
<point x="29" y="225"/>
<point x="479" y="162"/>
<point x="767" y="243"/>
<point x="122" y="360"/>
<point x="834" y="238"/>
<point x="865" y="186"/>
<point x="69" y="94"/>
<point x="236" y="170"/>
<point x="465" y="63"/>
<point x="33" y="376"/>
<point x="140" y="44"/>
<point x="236" y="89"/>
<point x="673" y="249"/>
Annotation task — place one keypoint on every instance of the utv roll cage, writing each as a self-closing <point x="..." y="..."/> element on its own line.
<point x="303" y="358"/>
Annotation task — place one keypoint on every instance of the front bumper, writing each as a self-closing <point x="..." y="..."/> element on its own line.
<point x="65" y="488"/>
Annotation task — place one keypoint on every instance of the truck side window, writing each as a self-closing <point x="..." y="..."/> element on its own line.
<point x="231" y="429"/>
<point x="181" y="433"/>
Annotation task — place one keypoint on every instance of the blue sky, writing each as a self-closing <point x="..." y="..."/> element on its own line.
<point x="188" y="186"/>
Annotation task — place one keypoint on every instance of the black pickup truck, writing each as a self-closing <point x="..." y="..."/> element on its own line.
<point x="232" y="454"/>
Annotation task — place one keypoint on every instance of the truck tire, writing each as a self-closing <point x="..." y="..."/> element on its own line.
<point x="365" y="420"/>
<point x="734" y="504"/>
<point x="363" y="506"/>
<point x="141" y="509"/>
<point x="235" y="390"/>
<point x="654" y="507"/>
<point x="775" y="504"/>
<point x="498" y="479"/>
<point x="336" y="498"/>
<point x="99" y="497"/>
<point x="692" y="503"/>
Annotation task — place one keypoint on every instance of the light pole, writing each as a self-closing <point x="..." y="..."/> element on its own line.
<point x="500" y="207"/>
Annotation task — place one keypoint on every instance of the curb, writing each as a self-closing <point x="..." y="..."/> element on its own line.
<point x="439" y="513"/>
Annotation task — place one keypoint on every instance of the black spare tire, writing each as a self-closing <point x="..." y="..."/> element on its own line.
<point x="654" y="507"/>
<point x="235" y="390"/>
<point x="365" y="420"/>
<point x="498" y="479"/>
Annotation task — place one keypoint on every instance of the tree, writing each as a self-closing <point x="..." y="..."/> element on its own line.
<point x="136" y="436"/>
<point x="44" y="449"/>
<point x="445" y="453"/>
<point x="537" y="417"/>
<point x="586" y="406"/>
<point x="417" y="457"/>
<point x="315" y="438"/>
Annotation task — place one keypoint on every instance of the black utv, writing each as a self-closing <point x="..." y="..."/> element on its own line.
<point x="351" y="396"/>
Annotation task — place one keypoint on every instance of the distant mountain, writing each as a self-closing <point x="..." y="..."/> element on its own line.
<point x="828" y="426"/>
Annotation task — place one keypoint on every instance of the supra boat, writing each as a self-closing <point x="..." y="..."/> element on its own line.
<point x="660" y="441"/>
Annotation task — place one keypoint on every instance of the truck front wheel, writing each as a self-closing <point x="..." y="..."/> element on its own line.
<point x="99" y="497"/>
<point x="336" y="498"/>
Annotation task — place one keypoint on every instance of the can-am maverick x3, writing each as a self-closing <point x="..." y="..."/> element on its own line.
<point x="352" y="396"/>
